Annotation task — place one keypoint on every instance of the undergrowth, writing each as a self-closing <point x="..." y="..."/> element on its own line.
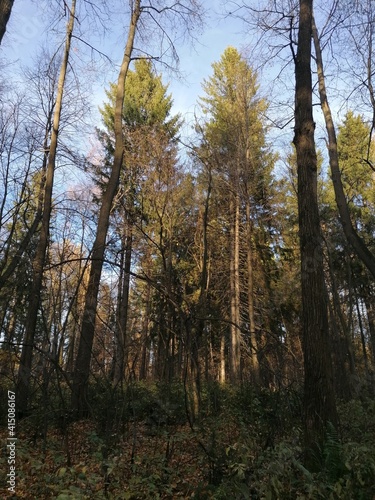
<point x="140" y="443"/>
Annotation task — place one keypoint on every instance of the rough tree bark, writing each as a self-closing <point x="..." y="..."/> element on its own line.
<point x="83" y="360"/>
<point x="5" y="11"/>
<point x="319" y="398"/>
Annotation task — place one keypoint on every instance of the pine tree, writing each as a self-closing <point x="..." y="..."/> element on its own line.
<point x="149" y="153"/>
<point x="234" y="135"/>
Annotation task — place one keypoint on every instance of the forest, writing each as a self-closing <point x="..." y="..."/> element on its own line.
<point x="187" y="302"/>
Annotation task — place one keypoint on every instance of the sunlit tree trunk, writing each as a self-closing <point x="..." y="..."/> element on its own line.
<point x="235" y="332"/>
<point x="122" y="305"/>
<point x="83" y="360"/>
<point x="169" y="334"/>
<point x="145" y="324"/>
<point x="250" y="300"/>
<point x="222" y="371"/>
<point x="24" y="373"/>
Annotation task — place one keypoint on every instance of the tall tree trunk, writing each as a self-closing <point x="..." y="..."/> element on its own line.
<point x="370" y="309"/>
<point x="196" y="341"/>
<point x="319" y="398"/>
<point x="255" y="373"/>
<point x="194" y="375"/>
<point x="145" y="360"/>
<point x="82" y="366"/>
<point x="122" y="305"/>
<point x="357" y="243"/>
<point x="222" y="372"/>
<point x="235" y="333"/>
<point x="362" y="333"/>
<point x="5" y="11"/>
<point x="202" y="303"/>
<point x="344" y="337"/>
<point x="168" y="271"/>
<point x="24" y="372"/>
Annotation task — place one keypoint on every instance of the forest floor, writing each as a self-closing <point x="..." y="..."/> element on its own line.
<point x="74" y="464"/>
<point x="244" y="446"/>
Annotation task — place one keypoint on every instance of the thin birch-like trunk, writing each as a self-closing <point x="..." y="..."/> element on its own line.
<point x="250" y="301"/>
<point x="24" y="373"/>
<point x="235" y="333"/>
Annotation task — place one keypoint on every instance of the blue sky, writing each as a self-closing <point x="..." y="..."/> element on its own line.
<point x="27" y="29"/>
<point x="196" y="62"/>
